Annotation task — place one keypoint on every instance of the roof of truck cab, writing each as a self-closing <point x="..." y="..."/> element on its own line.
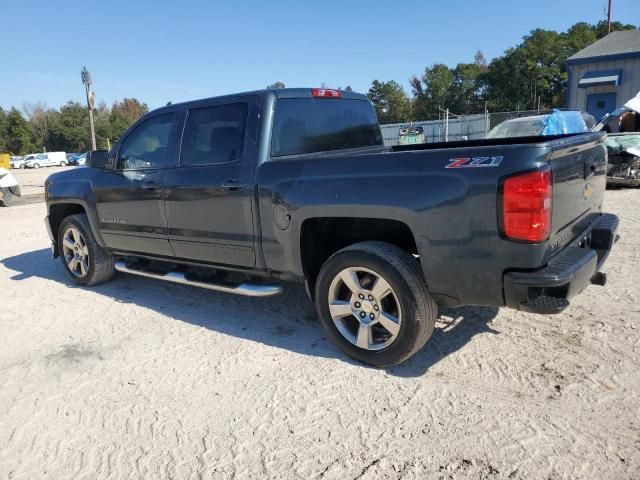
<point x="280" y="93"/>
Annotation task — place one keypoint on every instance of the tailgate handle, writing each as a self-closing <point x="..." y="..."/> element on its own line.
<point x="590" y="167"/>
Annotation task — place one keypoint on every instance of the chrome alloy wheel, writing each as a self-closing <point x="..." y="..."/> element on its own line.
<point x="364" y="308"/>
<point x="76" y="252"/>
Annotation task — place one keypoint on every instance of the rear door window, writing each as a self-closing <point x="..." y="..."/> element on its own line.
<point x="309" y="125"/>
<point x="214" y="135"/>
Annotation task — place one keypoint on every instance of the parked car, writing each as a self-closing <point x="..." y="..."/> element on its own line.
<point x="297" y="185"/>
<point x="623" y="168"/>
<point x="78" y="159"/>
<point x="9" y="188"/>
<point x="48" y="159"/>
<point x="20" y="162"/>
<point x="625" y="119"/>
<point x="555" y="123"/>
<point x="15" y="161"/>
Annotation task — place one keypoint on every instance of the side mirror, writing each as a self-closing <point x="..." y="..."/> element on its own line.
<point x="97" y="158"/>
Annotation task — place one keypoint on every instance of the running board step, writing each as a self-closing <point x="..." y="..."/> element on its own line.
<point x="246" y="289"/>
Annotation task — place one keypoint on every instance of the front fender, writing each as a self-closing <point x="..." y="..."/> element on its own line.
<point x="74" y="192"/>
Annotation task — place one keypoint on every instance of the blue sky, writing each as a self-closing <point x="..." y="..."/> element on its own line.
<point x="160" y="51"/>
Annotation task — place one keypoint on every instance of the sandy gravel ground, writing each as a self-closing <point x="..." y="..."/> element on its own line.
<point x="141" y="379"/>
<point x="31" y="180"/>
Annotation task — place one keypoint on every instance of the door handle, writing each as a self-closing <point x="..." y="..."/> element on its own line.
<point x="150" y="186"/>
<point x="233" y="185"/>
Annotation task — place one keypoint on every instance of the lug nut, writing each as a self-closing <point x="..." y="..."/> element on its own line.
<point x="372" y="316"/>
<point x="361" y="296"/>
<point x="362" y="314"/>
<point x="357" y="304"/>
<point x="370" y="297"/>
<point x="375" y="307"/>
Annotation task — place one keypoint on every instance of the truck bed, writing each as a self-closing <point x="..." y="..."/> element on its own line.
<point x="453" y="213"/>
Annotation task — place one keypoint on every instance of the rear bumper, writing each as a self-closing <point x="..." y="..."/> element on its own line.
<point x="549" y="289"/>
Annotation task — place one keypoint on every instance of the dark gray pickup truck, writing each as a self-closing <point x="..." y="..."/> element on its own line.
<point x="244" y="192"/>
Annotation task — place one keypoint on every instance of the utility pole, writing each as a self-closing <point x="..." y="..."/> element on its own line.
<point x="86" y="80"/>
<point x="609" y="18"/>
<point x="486" y="118"/>
<point x="446" y="125"/>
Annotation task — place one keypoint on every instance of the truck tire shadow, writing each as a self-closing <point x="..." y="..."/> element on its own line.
<point x="287" y="321"/>
<point x="455" y="327"/>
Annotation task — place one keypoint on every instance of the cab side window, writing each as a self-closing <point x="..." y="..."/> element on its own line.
<point x="214" y="135"/>
<point x="146" y="146"/>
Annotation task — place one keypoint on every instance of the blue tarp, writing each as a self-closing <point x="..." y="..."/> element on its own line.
<point x="559" y="123"/>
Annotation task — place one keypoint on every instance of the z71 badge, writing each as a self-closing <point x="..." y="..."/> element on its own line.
<point x="474" y="162"/>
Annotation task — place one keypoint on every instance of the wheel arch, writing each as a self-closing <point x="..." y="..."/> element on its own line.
<point x="58" y="211"/>
<point x="321" y="237"/>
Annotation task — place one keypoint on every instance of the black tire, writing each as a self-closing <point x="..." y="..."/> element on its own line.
<point x="63" y="163"/>
<point x="100" y="261"/>
<point x="403" y="273"/>
<point x="36" y="165"/>
<point x="22" y="166"/>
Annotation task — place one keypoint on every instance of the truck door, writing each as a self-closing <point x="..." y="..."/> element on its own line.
<point x="208" y="195"/>
<point x="129" y="197"/>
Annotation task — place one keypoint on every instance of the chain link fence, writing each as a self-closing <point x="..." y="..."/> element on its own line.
<point x="457" y="127"/>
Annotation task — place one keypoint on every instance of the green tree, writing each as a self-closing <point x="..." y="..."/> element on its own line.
<point x="18" y="138"/>
<point x="102" y="121"/>
<point x="390" y="102"/>
<point x="468" y="88"/>
<point x="3" y="131"/>
<point x="123" y="115"/>
<point x="39" y="118"/>
<point x="532" y="69"/>
<point x="276" y="85"/>
<point x="601" y="28"/>
<point x="432" y="91"/>
<point x="69" y="129"/>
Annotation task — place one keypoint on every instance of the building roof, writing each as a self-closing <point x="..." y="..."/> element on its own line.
<point x="623" y="42"/>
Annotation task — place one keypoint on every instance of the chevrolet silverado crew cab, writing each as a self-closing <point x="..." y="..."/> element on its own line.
<point x="242" y="193"/>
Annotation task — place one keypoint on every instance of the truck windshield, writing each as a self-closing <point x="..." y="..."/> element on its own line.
<point x="308" y="125"/>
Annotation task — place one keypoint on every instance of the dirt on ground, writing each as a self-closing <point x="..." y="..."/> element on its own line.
<point x="141" y="379"/>
<point x="31" y="180"/>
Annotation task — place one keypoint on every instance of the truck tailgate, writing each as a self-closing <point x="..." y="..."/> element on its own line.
<point x="579" y="167"/>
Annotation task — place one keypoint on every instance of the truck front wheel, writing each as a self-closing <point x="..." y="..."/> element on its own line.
<point x="373" y="302"/>
<point x="85" y="262"/>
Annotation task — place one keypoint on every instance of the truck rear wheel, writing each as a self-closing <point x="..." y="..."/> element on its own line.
<point x="373" y="302"/>
<point x="86" y="262"/>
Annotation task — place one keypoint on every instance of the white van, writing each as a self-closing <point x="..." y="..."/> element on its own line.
<point x="48" y="159"/>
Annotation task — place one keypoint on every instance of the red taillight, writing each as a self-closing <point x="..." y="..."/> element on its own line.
<point x="526" y="206"/>
<point x="326" y="93"/>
